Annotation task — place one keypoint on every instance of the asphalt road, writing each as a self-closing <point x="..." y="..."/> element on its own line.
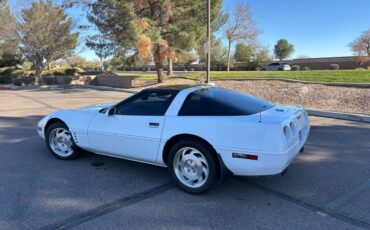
<point x="326" y="187"/>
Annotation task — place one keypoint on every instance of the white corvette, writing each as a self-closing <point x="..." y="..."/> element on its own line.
<point x="199" y="133"/>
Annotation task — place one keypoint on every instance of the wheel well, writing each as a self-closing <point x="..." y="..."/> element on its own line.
<point x="173" y="140"/>
<point x="52" y="121"/>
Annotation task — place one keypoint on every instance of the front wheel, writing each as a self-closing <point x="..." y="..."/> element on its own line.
<point x="192" y="166"/>
<point x="60" y="142"/>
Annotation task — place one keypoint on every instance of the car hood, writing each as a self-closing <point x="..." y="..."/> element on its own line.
<point x="96" y="107"/>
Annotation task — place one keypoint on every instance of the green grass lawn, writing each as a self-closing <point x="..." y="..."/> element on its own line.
<point x="353" y="76"/>
<point x="349" y="76"/>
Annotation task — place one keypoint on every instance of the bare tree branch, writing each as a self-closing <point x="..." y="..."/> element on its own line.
<point x="240" y="27"/>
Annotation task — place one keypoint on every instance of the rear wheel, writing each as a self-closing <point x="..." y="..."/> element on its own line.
<point x="60" y="142"/>
<point x="192" y="166"/>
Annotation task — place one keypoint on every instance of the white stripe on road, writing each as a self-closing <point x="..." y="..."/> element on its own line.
<point x="347" y="196"/>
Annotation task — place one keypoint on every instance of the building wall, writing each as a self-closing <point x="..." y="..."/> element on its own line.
<point x="324" y="63"/>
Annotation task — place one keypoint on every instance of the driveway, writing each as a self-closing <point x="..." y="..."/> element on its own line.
<point x="326" y="187"/>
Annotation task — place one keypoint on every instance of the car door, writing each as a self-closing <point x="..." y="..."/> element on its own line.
<point x="270" y="67"/>
<point x="134" y="130"/>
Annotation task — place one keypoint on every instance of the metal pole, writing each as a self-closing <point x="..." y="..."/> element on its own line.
<point x="208" y="80"/>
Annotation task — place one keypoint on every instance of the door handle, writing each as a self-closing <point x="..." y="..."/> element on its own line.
<point x="153" y="124"/>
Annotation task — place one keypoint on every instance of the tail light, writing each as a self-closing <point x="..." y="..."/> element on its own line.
<point x="292" y="128"/>
<point x="287" y="132"/>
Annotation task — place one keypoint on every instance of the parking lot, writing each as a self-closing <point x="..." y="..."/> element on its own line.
<point x="326" y="187"/>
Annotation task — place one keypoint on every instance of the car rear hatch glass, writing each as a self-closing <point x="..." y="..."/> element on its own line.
<point x="215" y="101"/>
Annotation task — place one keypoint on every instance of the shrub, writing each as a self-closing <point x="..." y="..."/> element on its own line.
<point x="5" y="79"/>
<point x="334" y="67"/>
<point x="17" y="81"/>
<point x="30" y="80"/>
<point x="70" y="71"/>
<point x="306" y="68"/>
<point x="47" y="74"/>
<point x="6" y="71"/>
<point x="17" y="73"/>
<point x="87" y="80"/>
<point x="6" y="75"/>
<point x="48" y="80"/>
<point x="295" y="67"/>
<point x="76" y="77"/>
<point x="65" y="80"/>
<point x="58" y="73"/>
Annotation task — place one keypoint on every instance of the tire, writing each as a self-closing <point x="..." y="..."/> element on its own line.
<point x="62" y="147"/>
<point x="263" y="69"/>
<point x="192" y="166"/>
<point x="280" y="69"/>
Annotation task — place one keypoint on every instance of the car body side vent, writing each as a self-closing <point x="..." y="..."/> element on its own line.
<point x="75" y="137"/>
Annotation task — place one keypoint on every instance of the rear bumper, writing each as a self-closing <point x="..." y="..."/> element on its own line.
<point x="267" y="163"/>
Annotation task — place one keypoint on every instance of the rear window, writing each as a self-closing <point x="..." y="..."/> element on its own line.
<point x="221" y="102"/>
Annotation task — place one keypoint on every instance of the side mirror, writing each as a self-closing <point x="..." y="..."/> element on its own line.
<point x="112" y="111"/>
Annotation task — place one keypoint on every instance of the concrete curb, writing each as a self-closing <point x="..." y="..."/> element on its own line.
<point x="107" y="88"/>
<point x="342" y="116"/>
<point x="101" y="88"/>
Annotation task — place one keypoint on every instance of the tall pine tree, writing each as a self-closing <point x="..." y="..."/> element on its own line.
<point x="155" y="28"/>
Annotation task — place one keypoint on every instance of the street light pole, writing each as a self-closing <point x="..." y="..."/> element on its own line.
<point x="208" y="80"/>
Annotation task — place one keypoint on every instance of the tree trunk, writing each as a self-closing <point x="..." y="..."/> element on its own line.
<point x="228" y="56"/>
<point x="101" y="64"/>
<point x="159" y="69"/>
<point x="158" y="64"/>
<point x="38" y="75"/>
<point x="170" y="68"/>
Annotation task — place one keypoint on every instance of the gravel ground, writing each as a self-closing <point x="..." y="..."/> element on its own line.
<point x="313" y="96"/>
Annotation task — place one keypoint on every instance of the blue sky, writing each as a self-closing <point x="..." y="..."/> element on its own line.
<point x="317" y="28"/>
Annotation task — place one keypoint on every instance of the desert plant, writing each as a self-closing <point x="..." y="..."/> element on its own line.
<point x="295" y="67"/>
<point x="28" y="80"/>
<point x="333" y="66"/>
<point x="17" y="81"/>
<point x="306" y="68"/>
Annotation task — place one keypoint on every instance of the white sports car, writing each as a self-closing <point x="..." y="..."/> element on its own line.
<point x="199" y="133"/>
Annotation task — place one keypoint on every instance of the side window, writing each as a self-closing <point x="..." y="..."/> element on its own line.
<point x="146" y="104"/>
